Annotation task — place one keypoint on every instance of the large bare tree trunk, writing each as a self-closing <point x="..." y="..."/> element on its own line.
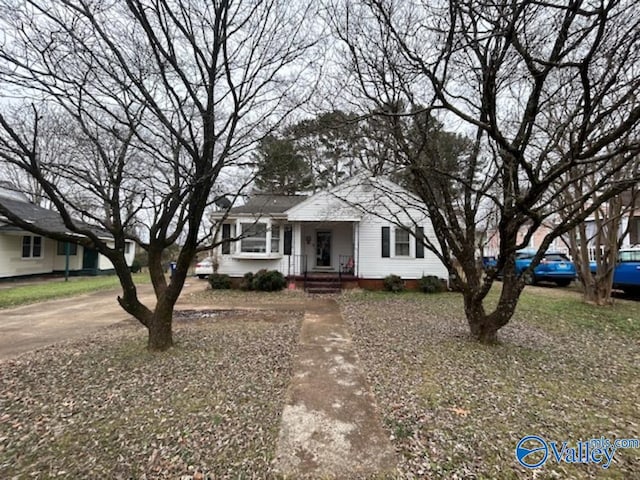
<point x="483" y="325"/>
<point x="605" y="241"/>
<point x="160" y="331"/>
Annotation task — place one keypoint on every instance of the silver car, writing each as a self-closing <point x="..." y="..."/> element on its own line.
<point x="204" y="268"/>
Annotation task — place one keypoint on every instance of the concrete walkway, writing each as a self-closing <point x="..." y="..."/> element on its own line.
<point x="330" y="427"/>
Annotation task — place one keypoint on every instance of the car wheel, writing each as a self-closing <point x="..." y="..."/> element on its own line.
<point x="202" y="277"/>
<point x="563" y="283"/>
<point x="529" y="278"/>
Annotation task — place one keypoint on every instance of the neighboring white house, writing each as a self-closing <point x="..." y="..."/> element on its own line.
<point x="629" y="222"/>
<point x="23" y="253"/>
<point x="354" y="229"/>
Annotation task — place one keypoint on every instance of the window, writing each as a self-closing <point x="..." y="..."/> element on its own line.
<point x="226" y="238"/>
<point x="73" y="248"/>
<point x="630" y="256"/>
<point x="402" y="243"/>
<point x="31" y="247"/>
<point x="420" y="242"/>
<point x="386" y="242"/>
<point x="254" y="238"/>
<point x="275" y="238"/>
<point x="127" y="248"/>
<point x="288" y="239"/>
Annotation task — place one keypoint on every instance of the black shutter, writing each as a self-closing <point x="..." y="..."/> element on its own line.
<point x="386" y="244"/>
<point x="419" y="242"/>
<point x="288" y="237"/>
<point x="226" y="235"/>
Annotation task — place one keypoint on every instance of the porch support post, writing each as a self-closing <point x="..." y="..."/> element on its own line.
<point x="67" y="252"/>
<point x="356" y="248"/>
<point x="297" y="248"/>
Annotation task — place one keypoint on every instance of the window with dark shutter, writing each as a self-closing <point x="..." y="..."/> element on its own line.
<point x="386" y="234"/>
<point x="288" y="238"/>
<point x="419" y="242"/>
<point x="26" y="246"/>
<point x="73" y="248"/>
<point x="37" y="247"/>
<point x="226" y="235"/>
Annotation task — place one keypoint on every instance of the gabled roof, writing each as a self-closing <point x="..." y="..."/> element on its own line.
<point x="268" y="204"/>
<point x="347" y="201"/>
<point x="40" y="217"/>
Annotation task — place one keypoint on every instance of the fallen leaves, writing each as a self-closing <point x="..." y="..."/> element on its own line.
<point x="456" y="409"/>
<point x="104" y="407"/>
<point x="459" y="411"/>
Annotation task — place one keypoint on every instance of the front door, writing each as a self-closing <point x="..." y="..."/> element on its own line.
<point x="323" y="249"/>
<point x="89" y="259"/>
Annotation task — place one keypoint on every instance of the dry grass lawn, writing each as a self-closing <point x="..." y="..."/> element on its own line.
<point x="105" y="408"/>
<point x="456" y="409"/>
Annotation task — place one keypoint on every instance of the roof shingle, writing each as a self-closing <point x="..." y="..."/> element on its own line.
<point x="268" y="204"/>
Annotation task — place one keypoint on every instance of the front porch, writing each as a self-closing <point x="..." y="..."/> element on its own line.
<point x="323" y="257"/>
<point x="328" y="248"/>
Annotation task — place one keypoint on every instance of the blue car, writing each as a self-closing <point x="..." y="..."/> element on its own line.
<point x="626" y="275"/>
<point x="489" y="262"/>
<point x="554" y="267"/>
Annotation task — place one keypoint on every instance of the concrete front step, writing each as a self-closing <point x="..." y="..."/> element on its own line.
<point x="323" y="285"/>
<point x="315" y="283"/>
<point x="323" y="290"/>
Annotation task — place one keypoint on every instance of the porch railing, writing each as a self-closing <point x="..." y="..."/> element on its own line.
<point x="346" y="265"/>
<point x="296" y="265"/>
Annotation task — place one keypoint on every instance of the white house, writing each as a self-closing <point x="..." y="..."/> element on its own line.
<point x="362" y="230"/>
<point x="23" y="253"/>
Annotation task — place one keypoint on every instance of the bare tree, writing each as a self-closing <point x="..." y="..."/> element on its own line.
<point x="163" y="96"/>
<point x="598" y="241"/>
<point x="547" y="91"/>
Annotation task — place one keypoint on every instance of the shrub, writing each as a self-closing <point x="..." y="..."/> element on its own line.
<point x="431" y="284"/>
<point x="268" y="281"/>
<point x="219" y="281"/>
<point x="247" y="281"/>
<point x="135" y="266"/>
<point x="393" y="283"/>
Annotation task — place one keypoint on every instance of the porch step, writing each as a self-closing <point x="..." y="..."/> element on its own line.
<point x="328" y="284"/>
<point x="323" y="290"/>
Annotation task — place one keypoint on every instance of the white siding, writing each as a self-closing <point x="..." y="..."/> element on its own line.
<point x="236" y="267"/>
<point x="373" y="265"/>
<point x="105" y="264"/>
<point x="75" y="261"/>
<point x="11" y="262"/>
<point x="385" y="204"/>
<point x="322" y="207"/>
<point x="13" y="265"/>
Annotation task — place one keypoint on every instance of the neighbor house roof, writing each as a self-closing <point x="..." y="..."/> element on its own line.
<point x="38" y="216"/>
<point x="268" y="204"/>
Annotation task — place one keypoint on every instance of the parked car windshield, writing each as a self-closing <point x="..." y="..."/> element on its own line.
<point x="630" y="256"/>
<point x="556" y="257"/>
